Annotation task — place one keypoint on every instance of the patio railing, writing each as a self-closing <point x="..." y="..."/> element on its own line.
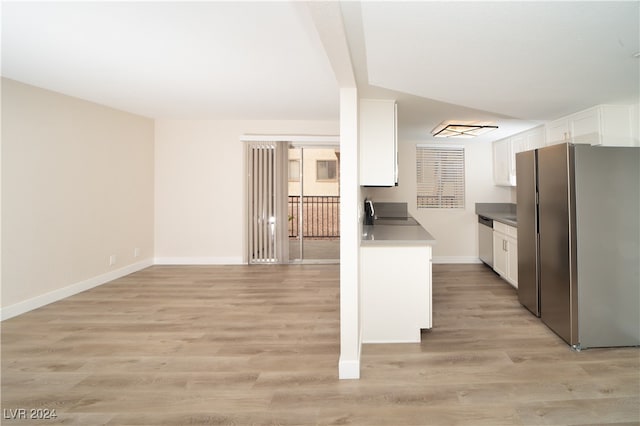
<point x="321" y="216"/>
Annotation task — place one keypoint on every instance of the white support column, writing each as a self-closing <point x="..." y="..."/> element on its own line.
<point x="325" y="17"/>
<point x="350" y="232"/>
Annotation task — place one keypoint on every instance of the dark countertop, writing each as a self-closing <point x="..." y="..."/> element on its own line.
<point x="396" y="235"/>
<point x="506" y="218"/>
<point x="500" y="212"/>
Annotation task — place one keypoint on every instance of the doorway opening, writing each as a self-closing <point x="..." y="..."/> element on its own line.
<point x="313" y="211"/>
<point x="293" y="201"/>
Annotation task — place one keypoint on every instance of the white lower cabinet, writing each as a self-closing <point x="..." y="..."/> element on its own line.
<point x="512" y="261"/>
<point x="500" y="262"/>
<point x="505" y="252"/>
<point x="396" y="293"/>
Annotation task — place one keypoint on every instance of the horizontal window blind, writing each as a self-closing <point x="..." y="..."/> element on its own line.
<point x="440" y="173"/>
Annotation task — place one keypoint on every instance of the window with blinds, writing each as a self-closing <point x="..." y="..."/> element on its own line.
<point x="440" y="172"/>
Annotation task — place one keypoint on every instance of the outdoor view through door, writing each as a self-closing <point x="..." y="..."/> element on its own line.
<point x="314" y="204"/>
<point x="293" y="203"/>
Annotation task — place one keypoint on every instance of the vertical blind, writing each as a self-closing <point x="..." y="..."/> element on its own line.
<point x="267" y="202"/>
<point x="440" y="177"/>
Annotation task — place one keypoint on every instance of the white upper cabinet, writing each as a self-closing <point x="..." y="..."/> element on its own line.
<point x="584" y="125"/>
<point x="557" y="131"/>
<point x="535" y="138"/>
<point x="519" y="143"/>
<point x="378" y="142"/>
<point x="606" y="125"/>
<point x="501" y="163"/>
<point x="526" y="141"/>
<point x="505" y="150"/>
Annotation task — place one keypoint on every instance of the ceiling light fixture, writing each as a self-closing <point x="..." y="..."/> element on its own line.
<point x="462" y="129"/>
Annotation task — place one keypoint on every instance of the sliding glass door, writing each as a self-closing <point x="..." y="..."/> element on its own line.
<point x="293" y="203"/>
<point x="314" y="204"/>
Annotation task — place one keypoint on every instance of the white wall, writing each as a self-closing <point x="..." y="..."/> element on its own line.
<point x="200" y="187"/>
<point x="77" y="187"/>
<point x="313" y="186"/>
<point x="635" y="123"/>
<point x="455" y="230"/>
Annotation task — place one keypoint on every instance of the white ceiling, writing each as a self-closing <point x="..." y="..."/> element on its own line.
<point x="530" y="60"/>
<point x="512" y="62"/>
<point x="220" y="60"/>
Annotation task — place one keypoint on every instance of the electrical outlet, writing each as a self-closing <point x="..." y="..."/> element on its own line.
<point x="112" y="260"/>
<point x="136" y="252"/>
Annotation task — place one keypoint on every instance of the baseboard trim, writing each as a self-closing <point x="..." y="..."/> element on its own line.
<point x="383" y="342"/>
<point x="199" y="261"/>
<point x="348" y="369"/>
<point x="64" y="292"/>
<point x="455" y="259"/>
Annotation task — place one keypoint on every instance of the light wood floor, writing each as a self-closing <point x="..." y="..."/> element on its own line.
<point x="260" y="345"/>
<point x="326" y="249"/>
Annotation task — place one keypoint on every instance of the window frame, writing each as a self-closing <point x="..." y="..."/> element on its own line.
<point x="333" y="179"/>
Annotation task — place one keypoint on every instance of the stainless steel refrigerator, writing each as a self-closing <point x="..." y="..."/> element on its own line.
<point x="578" y="211"/>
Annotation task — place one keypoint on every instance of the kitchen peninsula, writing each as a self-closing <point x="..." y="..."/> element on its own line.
<point x="395" y="256"/>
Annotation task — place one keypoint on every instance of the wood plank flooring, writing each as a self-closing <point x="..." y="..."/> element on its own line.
<point x="260" y="345"/>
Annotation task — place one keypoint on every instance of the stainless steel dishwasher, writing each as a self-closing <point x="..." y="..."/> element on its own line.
<point x="485" y="240"/>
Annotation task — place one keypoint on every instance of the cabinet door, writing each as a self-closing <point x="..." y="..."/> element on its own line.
<point x="501" y="162"/>
<point x="616" y="128"/>
<point x="499" y="254"/>
<point x="396" y="293"/>
<point x="378" y="145"/>
<point x="535" y="138"/>
<point x="557" y="131"/>
<point x="584" y="127"/>
<point x="606" y="125"/>
<point x="519" y="143"/>
<point x="512" y="263"/>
